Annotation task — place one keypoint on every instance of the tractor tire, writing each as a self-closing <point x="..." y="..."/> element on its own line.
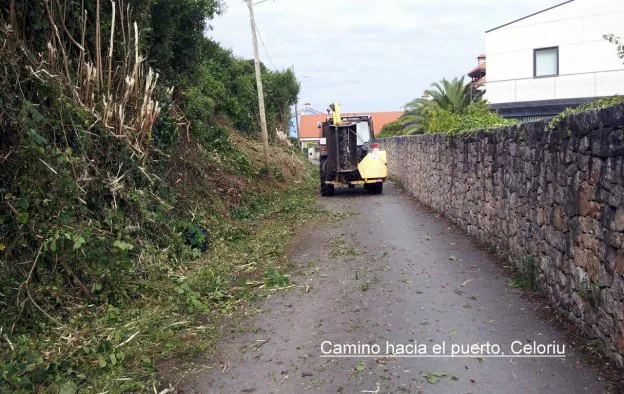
<point x="379" y="188"/>
<point x="374" y="188"/>
<point x="327" y="189"/>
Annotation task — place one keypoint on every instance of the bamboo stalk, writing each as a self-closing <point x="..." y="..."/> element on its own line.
<point x="110" y="49"/>
<point x="98" y="46"/>
<point x="12" y="14"/>
<point x="123" y="35"/>
<point x="123" y="99"/>
<point x="129" y="34"/>
<point x="71" y="38"/>
<point x="121" y="21"/>
<point x="135" y="74"/>
<point x="82" y="68"/>
<point x="58" y="38"/>
<point x="87" y="85"/>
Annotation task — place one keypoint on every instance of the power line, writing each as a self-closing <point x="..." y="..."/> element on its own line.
<point x="260" y="35"/>
<point x="314" y="111"/>
<point x="265" y="48"/>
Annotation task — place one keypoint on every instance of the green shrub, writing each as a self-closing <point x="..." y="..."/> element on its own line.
<point x="391" y="129"/>
<point x="596" y="104"/>
<point x="476" y="116"/>
<point x="448" y="107"/>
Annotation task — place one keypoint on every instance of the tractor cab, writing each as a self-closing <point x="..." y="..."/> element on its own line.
<point x="349" y="155"/>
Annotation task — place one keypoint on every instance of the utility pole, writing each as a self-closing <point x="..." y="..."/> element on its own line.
<point x="297" y="117"/>
<point x="263" y="123"/>
<point x="296" y="109"/>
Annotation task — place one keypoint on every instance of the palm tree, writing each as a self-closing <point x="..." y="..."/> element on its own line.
<point x="454" y="95"/>
<point x="415" y="115"/>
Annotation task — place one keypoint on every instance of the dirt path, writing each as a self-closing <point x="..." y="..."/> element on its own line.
<point x="392" y="272"/>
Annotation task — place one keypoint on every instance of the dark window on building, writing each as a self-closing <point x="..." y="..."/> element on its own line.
<point x="546" y="62"/>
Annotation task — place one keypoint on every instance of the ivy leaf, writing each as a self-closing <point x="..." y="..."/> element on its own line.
<point x="23" y="217"/>
<point x="36" y="138"/>
<point x="123" y="246"/>
<point x="53" y="246"/>
<point x="68" y="388"/>
<point x="78" y="241"/>
<point x="22" y="204"/>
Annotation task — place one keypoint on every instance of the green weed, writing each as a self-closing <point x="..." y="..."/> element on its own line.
<point x="527" y="275"/>
<point x="590" y="291"/>
<point x="274" y="278"/>
<point x="597" y="104"/>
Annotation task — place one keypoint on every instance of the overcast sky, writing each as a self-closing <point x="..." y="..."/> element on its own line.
<point x="369" y="55"/>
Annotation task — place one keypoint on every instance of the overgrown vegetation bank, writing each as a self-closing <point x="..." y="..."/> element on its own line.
<point x="134" y="206"/>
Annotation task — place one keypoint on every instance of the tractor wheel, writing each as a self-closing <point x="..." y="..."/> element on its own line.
<point x="327" y="189"/>
<point x="374" y="188"/>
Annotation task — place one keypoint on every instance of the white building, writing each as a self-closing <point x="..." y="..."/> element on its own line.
<point x="556" y="58"/>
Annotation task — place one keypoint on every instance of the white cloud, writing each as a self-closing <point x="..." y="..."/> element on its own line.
<point x="368" y="54"/>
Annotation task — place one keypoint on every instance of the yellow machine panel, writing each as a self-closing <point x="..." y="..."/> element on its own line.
<point x="336" y="113"/>
<point x="374" y="165"/>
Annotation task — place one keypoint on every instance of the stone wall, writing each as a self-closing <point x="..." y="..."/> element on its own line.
<point x="551" y="201"/>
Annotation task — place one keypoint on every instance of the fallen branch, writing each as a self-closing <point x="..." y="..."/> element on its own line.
<point x="25" y="284"/>
<point x="71" y="38"/>
<point x="128" y="340"/>
<point x="18" y="217"/>
<point x="83" y="288"/>
<point x="6" y="338"/>
<point x="49" y="167"/>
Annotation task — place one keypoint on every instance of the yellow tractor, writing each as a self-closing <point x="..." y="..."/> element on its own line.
<point x="349" y="154"/>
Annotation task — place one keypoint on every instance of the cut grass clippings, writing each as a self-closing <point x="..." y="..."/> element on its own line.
<point x="435" y="377"/>
<point x="118" y="347"/>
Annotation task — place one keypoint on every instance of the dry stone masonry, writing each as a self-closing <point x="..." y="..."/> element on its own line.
<point x="551" y="201"/>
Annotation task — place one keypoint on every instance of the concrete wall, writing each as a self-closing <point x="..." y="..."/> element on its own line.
<point x="554" y="198"/>
<point x="588" y="65"/>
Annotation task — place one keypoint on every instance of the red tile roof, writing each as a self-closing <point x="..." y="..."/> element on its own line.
<point x="478" y="71"/>
<point x="308" y="126"/>
<point x="308" y="123"/>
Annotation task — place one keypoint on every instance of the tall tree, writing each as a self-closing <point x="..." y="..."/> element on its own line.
<point x="176" y="36"/>
<point x="281" y="89"/>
